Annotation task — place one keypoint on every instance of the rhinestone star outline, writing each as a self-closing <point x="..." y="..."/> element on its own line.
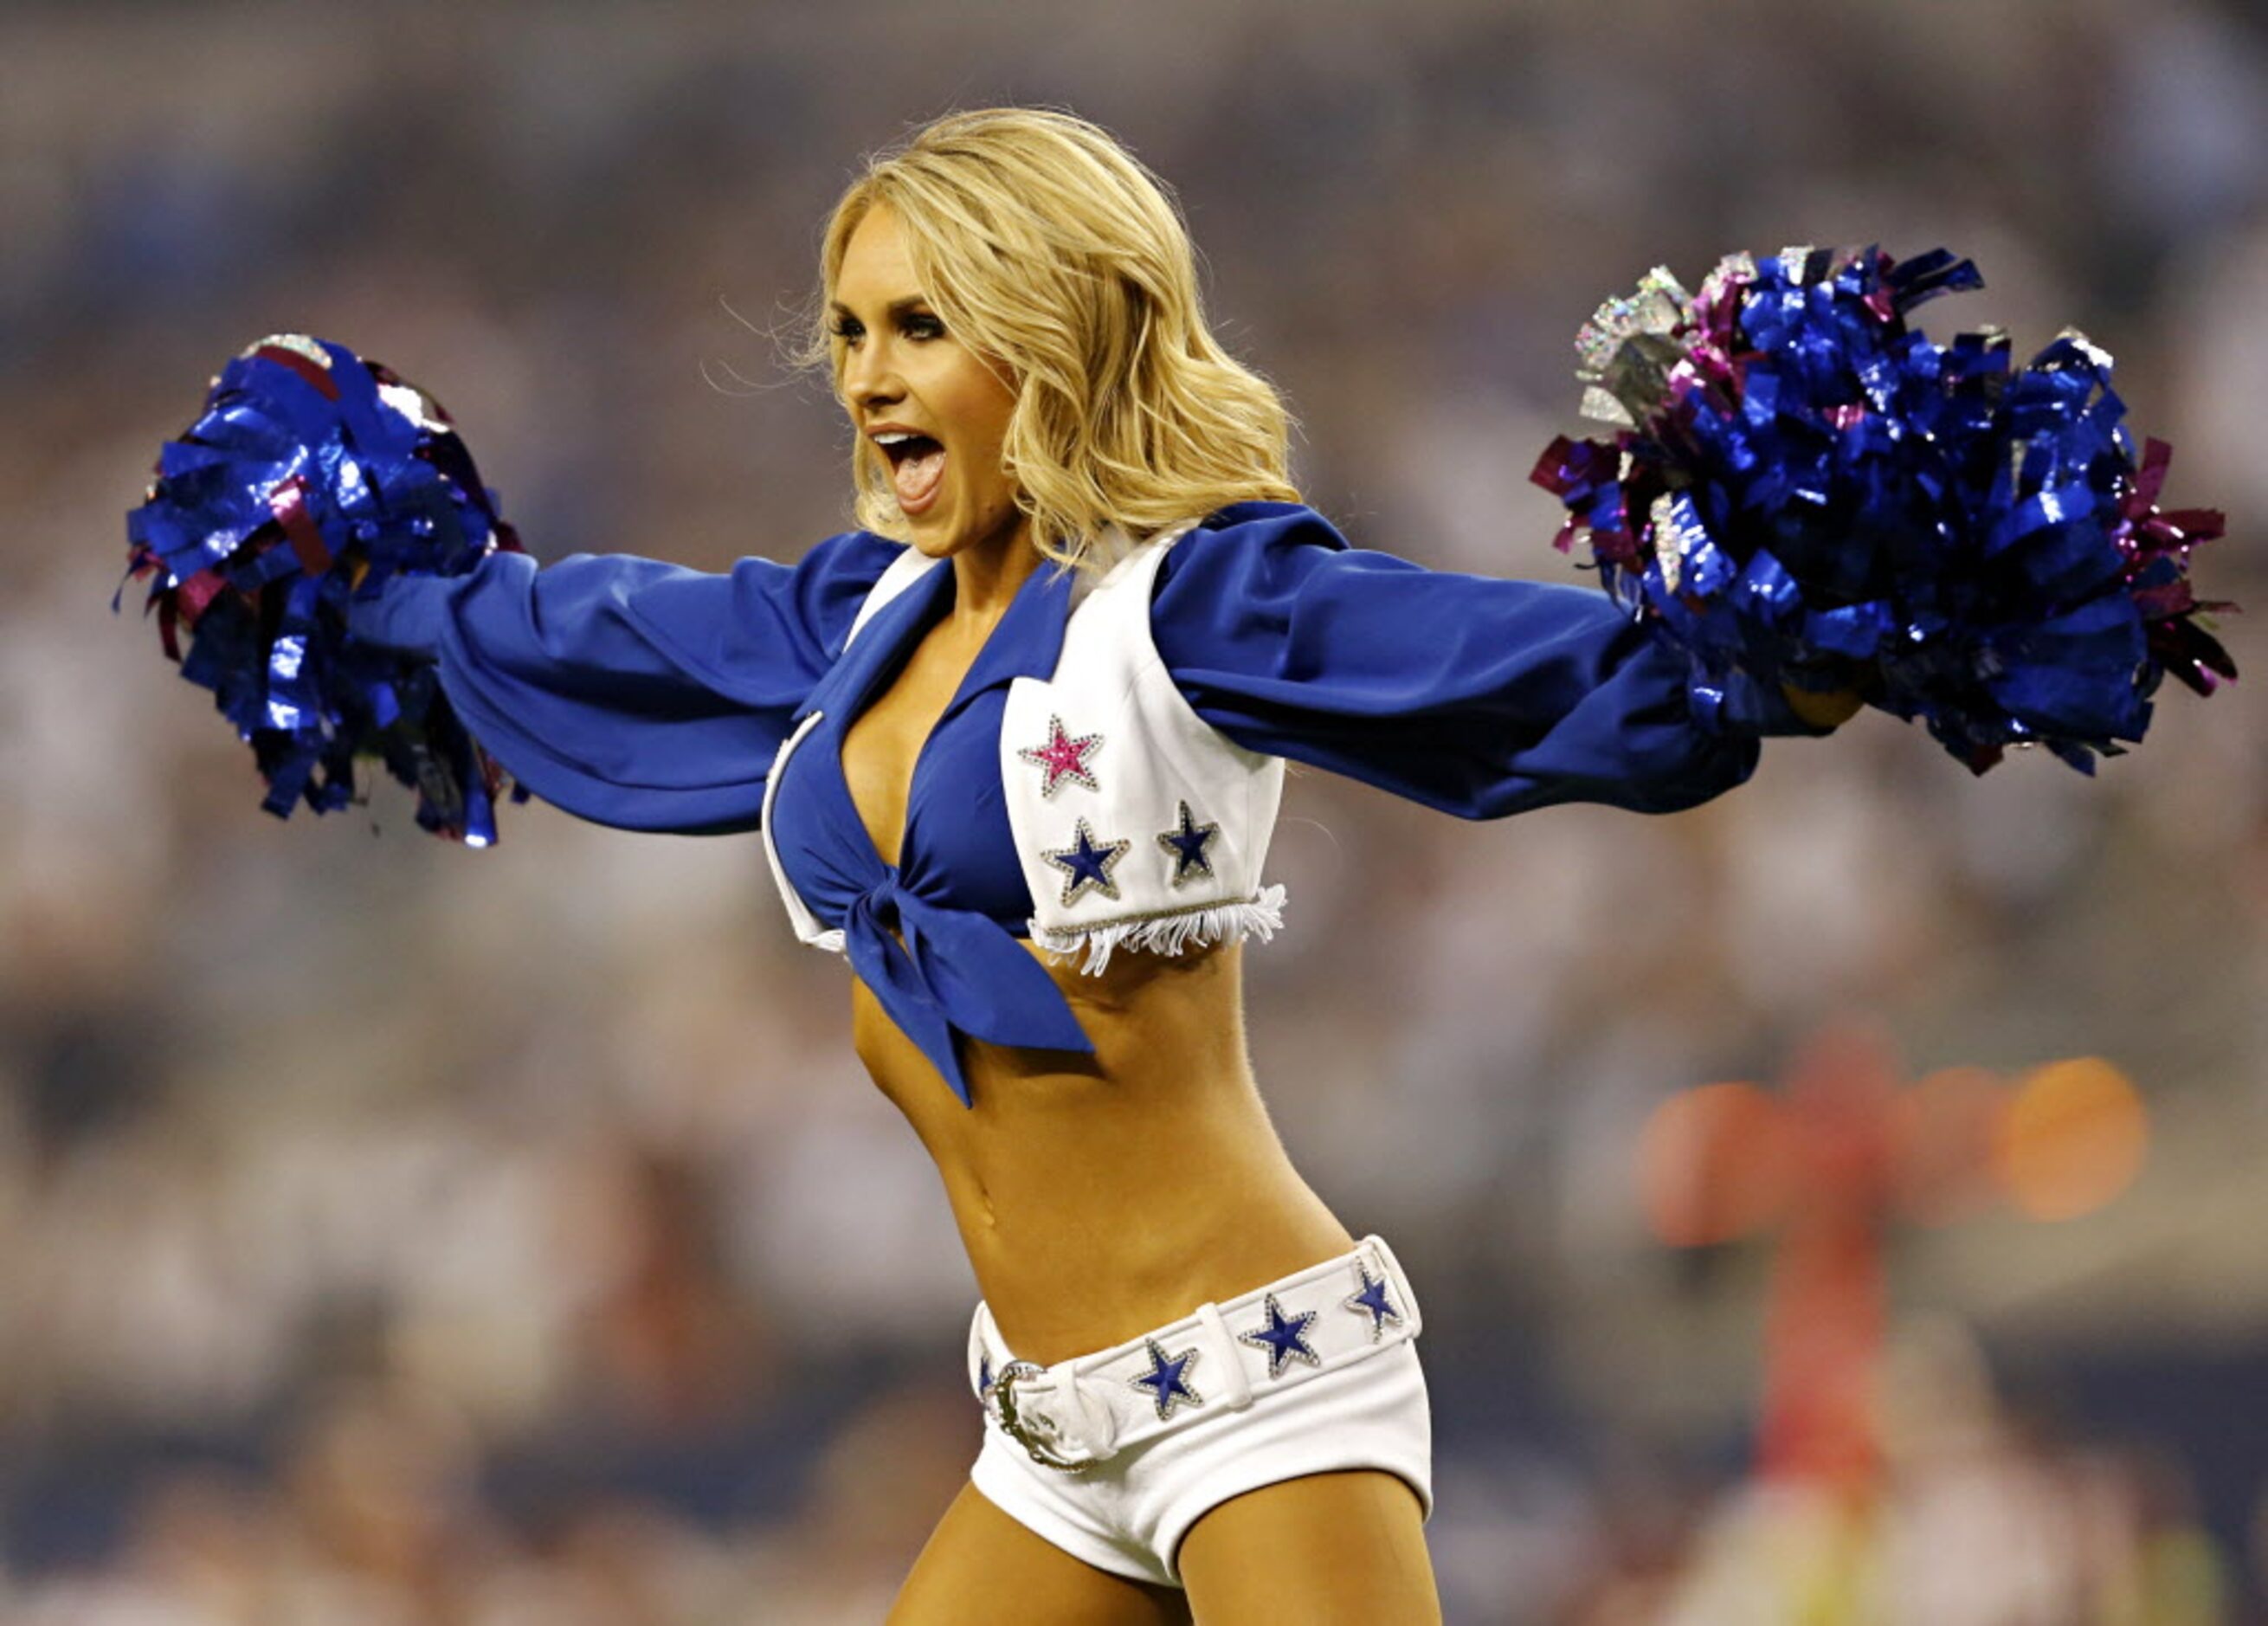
<point x="1167" y="1382"/>
<point x="1371" y="1300"/>
<point x="1087" y="864"/>
<point x="1187" y="843"/>
<point x="1063" y="757"/>
<point x="1284" y="1337"/>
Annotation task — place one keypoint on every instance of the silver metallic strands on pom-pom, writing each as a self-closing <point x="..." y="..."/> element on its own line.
<point x="1625" y="349"/>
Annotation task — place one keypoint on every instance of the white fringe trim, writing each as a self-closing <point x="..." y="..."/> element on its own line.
<point x="1164" y="934"/>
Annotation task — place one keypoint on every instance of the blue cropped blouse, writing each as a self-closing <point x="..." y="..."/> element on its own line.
<point x="651" y="697"/>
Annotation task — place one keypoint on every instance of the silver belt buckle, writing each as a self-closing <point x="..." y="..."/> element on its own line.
<point x="1036" y="1436"/>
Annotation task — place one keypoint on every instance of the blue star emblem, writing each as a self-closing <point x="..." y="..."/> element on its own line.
<point x="1188" y="846"/>
<point x="1284" y="1337"/>
<point x="984" y="1375"/>
<point x="1374" y="1303"/>
<point x="1087" y="864"/>
<point x="1168" y="1380"/>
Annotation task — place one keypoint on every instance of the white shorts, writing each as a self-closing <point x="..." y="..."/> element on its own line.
<point x="1169" y="1426"/>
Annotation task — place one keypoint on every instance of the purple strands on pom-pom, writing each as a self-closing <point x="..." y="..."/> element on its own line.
<point x="1807" y="495"/>
<point x="313" y="475"/>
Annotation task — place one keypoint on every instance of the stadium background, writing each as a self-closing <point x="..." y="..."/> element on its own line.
<point x="390" y="1232"/>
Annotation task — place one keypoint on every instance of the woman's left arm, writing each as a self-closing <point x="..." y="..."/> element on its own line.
<point x="1478" y="696"/>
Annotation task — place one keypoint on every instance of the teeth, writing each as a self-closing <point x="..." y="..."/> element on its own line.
<point x="894" y="437"/>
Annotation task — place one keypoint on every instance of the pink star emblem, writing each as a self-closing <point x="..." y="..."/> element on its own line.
<point x="1063" y="757"/>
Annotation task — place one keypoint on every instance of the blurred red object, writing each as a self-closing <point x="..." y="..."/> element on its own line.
<point x="1829" y="1163"/>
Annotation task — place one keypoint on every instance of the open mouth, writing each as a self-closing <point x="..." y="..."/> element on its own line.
<point x="916" y="467"/>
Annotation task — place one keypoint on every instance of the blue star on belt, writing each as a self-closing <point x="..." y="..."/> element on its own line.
<point x="1188" y="846"/>
<point x="1087" y="866"/>
<point x="1284" y="1337"/>
<point x="984" y="1375"/>
<point x="1168" y="1380"/>
<point x="1373" y="1302"/>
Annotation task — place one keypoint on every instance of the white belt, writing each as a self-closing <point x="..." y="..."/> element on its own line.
<point x="1213" y="1363"/>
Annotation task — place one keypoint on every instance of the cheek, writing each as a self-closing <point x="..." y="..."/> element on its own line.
<point x="986" y="412"/>
<point x="986" y="423"/>
<point x="980" y="399"/>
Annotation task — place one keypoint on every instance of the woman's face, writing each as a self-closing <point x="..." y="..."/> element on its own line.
<point x="934" y="413"/>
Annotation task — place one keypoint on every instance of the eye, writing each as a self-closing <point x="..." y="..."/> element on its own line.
<point x="847" y="329"/>
<point x="921" y="325"/>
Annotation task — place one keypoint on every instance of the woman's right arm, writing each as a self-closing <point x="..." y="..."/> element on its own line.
<point x="627" y="690"/>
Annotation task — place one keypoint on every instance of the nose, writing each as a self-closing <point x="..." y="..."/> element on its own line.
<point x="869" y="377"/>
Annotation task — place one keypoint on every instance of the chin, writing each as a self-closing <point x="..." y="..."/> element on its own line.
<point x="935" y="540"/>
<point x="940" y="537"/>
<point x="939" y="533"/>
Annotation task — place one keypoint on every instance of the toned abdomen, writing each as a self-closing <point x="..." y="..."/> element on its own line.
<point x="1100" y="1196"/>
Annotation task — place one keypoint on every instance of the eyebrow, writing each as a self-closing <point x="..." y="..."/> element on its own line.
<point x="896" y="307"/>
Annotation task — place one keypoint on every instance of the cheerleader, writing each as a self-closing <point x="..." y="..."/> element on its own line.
<point x="1015" y="748"/>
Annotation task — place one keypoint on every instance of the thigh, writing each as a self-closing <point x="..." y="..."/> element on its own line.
<point x="981" y="1568"/>
<point x="1342" y="1546"/>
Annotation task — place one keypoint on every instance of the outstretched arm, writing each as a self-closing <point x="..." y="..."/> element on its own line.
<point x="630" y="692"/>
<point x="1478" y="696"/>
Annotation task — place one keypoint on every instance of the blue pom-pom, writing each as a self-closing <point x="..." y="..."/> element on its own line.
<point x="312" y="477"/>
<point x="1806" y="495"/>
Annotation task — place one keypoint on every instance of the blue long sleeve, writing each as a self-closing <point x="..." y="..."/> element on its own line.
<point x="1477" y="695"/>
<point x="630" y="692"/>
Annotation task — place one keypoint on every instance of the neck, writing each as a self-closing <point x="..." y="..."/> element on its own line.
<point x="986" y="576"/>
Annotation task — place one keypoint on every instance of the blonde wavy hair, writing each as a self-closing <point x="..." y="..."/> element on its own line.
<point x="1055" y="256"/>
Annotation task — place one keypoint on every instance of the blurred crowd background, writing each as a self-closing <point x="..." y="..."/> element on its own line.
<point x="395" y="1233"/>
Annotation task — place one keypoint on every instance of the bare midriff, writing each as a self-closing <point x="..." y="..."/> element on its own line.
<point x="1099" y="1197"/>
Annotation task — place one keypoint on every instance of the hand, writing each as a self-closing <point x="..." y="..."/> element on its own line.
<point x="1822" y="708"/>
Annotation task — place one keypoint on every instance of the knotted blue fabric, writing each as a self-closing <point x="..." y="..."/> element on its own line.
<point x="938" y="966"/>
<point x="957" y="971"/>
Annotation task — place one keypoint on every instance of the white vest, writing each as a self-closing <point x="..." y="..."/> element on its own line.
<point x="1139" y="824"/>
